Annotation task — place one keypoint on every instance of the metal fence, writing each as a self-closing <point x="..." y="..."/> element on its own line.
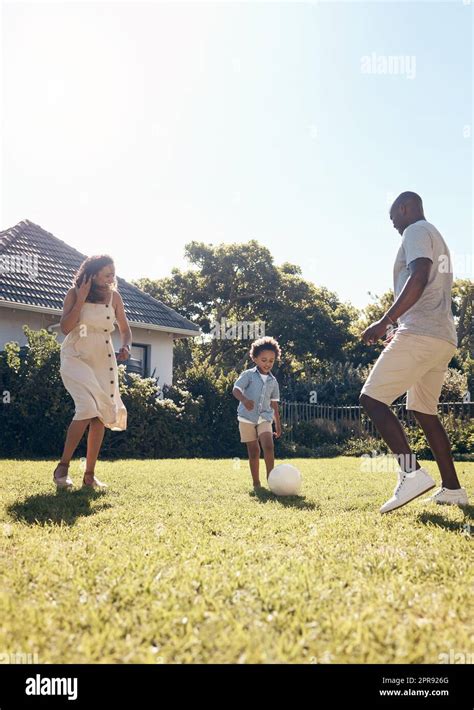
<point x="293" y="413"/>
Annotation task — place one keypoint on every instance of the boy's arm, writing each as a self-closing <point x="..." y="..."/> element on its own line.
<point x="276" y="412"/>
<point x="238" y="394"/>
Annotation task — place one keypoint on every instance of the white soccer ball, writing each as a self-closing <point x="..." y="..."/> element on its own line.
<point x="285" y="480"/>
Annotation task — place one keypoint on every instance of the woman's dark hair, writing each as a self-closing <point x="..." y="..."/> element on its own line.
<point x="262" y="344"/>
<point x="89" y="268"/>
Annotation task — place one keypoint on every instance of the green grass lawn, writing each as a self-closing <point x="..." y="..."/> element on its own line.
<point x="180" y="562"/>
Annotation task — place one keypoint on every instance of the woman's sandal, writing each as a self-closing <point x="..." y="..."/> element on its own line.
<point x="95" y="481"/>
<point x="62" y="481"/>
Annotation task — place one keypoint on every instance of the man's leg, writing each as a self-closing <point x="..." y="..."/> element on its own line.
<point x="440" y="446"/>
<point x="392" y="432"/>
<point x="415" y="480"/>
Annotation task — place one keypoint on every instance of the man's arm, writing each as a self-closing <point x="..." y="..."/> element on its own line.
<point x="413" y="288"/>
<point x="409" y="295"/>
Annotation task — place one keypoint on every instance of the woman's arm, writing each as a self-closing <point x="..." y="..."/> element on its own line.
<point x="71" y="311"/>
<point x="123" y="326"/>
<point x="75" y="299"/>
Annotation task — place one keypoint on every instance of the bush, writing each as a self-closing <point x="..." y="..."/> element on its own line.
<point x="35" y="421"/>
<point x="455" y="386"/>
<point x="460" y="434"/>
<point x="321" y="431"/>
<point x="334" y="382"/>
<point x="197" y="417"/>
<point x="39" y="410"/>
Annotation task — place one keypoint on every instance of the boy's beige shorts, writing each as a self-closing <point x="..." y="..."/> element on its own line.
<point x="415" y="364"/>
<point x="251" y="431"/>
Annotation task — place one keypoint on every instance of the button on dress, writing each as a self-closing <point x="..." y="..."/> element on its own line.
<point x="89" y="368"/>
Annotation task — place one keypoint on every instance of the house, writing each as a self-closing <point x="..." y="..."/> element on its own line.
<point x="36" y="271"/>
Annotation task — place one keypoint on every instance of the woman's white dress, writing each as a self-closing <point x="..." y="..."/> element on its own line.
<point x="89" y="368"/>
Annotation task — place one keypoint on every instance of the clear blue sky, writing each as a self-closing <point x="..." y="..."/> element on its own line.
<point x="132" y="128"/>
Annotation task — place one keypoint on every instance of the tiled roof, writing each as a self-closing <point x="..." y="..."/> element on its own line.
<point x="37" y="268"/>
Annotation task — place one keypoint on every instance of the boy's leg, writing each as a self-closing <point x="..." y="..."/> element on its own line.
<point x="253" y="449"/>
<point x="266" y="440"/>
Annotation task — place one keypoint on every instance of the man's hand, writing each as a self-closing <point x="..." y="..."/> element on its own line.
<point x="375" y="331"/>
<point x="390" y="336"/>
<point x="409" y="295"/>
<point x="248" y="403"/>
<point x="277" y="432"/>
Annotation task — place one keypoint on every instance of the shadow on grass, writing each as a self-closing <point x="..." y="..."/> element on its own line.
<point x="442" y="522"/>
<point x="56" y="508"/>
<point x="264" y="495"/>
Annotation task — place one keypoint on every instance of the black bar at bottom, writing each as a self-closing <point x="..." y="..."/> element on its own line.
<point x="149" y="686"/>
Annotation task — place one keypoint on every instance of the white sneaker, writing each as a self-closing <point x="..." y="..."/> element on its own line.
<point x="448" y="496"/>
<point x="409" y="486"/>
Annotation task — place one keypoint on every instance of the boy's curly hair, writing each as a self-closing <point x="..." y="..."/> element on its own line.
<point x="266" y="343"/>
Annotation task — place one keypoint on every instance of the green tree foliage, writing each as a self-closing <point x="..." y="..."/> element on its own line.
<point x="241" y="284"/>
<point x="463" y="300"/>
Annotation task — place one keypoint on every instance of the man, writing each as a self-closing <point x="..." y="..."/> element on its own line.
<point x="416" y="357"/>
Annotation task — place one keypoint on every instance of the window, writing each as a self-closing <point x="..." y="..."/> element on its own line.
<point x="139" y="360"/>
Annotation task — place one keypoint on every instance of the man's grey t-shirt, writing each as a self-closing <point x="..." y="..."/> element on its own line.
<point x="431" y="314"/>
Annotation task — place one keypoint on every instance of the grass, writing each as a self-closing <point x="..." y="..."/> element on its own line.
<point x="179" y="561"/>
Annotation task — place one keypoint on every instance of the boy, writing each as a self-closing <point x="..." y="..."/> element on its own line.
<point x="258" y="394"/>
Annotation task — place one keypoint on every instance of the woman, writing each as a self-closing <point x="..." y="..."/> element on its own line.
<point x="88" y="365"/>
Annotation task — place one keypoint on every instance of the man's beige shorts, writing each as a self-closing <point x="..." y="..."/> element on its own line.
<point x="251" y="432"/>
<point x="415" y="364"/>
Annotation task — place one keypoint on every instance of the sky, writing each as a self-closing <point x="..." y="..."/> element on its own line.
<point x="132" y="128"/>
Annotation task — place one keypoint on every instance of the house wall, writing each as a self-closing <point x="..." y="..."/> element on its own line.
<point x="160" y="342"/>
<point x="12" y="320"/>
<point x="161" y="355"/>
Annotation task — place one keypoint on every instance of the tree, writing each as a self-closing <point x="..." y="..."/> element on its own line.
<point x="360" y="353"/>
<point x="463" y="298"/>
<point x="239" y="283"/>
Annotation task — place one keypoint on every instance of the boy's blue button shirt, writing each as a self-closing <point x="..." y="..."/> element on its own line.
<point x="262" y="393"/>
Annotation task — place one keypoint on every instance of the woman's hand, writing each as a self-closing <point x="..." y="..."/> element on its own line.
<point x="83" y="290"/>
<point x="124" y="354"/>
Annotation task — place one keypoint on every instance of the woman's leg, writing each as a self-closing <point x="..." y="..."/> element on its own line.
<point x="266" y="440"/>
<point x="74" y="434"/>
<point x="94" y="442"/>
<point x="253" y="449"/>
